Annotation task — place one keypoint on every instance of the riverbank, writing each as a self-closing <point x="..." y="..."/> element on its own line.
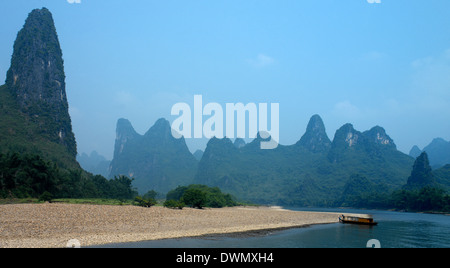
<point x="53" y="225"/>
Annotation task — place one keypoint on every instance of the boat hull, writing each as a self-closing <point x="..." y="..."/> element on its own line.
<point x="359" y="223"/>
<point x="357" y="220"/>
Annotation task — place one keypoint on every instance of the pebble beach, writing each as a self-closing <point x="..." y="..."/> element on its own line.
<point x="52" y="225"/>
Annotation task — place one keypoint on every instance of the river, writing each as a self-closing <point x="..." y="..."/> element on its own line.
<point x="394" y="230"/>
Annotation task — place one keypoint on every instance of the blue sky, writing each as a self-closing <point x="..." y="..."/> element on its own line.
<point x="353" y="62"/>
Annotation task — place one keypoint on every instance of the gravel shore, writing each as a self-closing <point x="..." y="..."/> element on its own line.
<point x="53" y="225"/>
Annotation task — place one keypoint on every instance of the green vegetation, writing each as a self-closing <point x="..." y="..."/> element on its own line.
<point x="358" y="169"/>
<point x="361" y="193"/>
<point x="199" y="196"/>
<point x="309" y="173"/>
<point x="421" y="193"/>
<point x="421" y="175"/>
<point x="145" y="202"/>
<point x="442" y="177"/>
<point x="46" y="197"/>
<point x="195" y="198"/>
<point x="84" y="201"/>
<point x="30" y="176"/>
<point x="174" y="204"/>
<point x="19" y="133"/>
<point x="95" y="201"/>
<point x="425" y="199"/>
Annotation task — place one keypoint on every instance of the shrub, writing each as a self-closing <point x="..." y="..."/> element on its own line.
<point x="139" y="201"/>
<point x="46" y="197"/>
<point x="174" y="204"/>
<point x="210" y="197"/>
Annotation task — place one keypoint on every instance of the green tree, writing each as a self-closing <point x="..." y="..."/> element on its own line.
<point x="195" y="198"/>
<point x="216" y="201"/>
<point x="143" y="202"/>
<point x="28" y="175"/>
<point x="425" y="199"/>
<point x="121" y="188"/>
<point x="176" y="193"/>
<point x="152" y="194"/>
<point x="213" y="195"/>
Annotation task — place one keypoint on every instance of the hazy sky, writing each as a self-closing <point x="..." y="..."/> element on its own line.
<point x="350" y="61"/>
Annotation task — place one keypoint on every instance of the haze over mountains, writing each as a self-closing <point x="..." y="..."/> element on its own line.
<point x="316" y="170"/>
<point x="94" y="163"/>
<point x="438" y="152"/>
<point x="156" y="160"/>
<point x="312" y="171"/>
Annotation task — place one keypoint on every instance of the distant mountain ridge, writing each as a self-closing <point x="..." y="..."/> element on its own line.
<point x="94" y="163"/>
<point x="438" y="152"/>
<point x="156" y="160"/>
<point x="314" y="171"/>
<point x="311" y="172"/>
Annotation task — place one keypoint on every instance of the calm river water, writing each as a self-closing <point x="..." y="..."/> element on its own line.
<point x="394" y="230"/>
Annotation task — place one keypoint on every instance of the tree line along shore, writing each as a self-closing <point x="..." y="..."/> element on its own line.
<point x="29" y="177"/>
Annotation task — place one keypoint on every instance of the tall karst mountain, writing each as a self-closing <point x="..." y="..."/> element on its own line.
<point x="156" y="160"/>
<point x="34" y="109"/>
<point x="315" y="139"/>
<point x="421" y="175"/>
<point x="313" y="171"/>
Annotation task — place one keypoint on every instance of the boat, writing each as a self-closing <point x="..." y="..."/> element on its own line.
<point x="357" y="220"/>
